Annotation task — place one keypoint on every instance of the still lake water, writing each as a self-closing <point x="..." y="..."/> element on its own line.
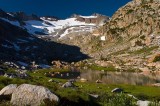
<point x="121" y="77"/>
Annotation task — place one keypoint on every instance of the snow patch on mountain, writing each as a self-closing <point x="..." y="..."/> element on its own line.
<point x="10" y="14"/>
<point x="16" y="23"/>
<point x="54" y="28"/>
<point x="88" y="16"/>
<point x="49" y="27"/>
<point x="67" y="22"/>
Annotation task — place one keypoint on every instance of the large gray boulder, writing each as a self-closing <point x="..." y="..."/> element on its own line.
<point x="32" y="95"/>
<point x="8" y="90"/>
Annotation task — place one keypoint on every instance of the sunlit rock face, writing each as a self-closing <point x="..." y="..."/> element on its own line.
<point x="138" y="17"/>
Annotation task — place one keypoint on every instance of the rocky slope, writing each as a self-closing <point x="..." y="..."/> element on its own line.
<point x="137" y="18"/>
<point x="132" y="37"/>
<point x="27" y="38"/>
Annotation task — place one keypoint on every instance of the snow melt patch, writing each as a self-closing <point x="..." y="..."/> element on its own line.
<point x="102" y="38"/>
<point x="10" y="14"/>
<point x="88" y="16"/>
<point x="16" y="23"/>
<point x="35" y="26"/>
<point x="68" y="22"/>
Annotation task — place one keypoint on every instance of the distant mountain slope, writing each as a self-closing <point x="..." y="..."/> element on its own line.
<point x="52" y="26"/>
<point x="16" y="44"/>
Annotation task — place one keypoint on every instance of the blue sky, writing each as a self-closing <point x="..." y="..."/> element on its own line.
<point x="63" y="8"/>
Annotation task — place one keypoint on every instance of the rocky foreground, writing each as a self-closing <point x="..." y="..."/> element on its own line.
<point x="27" y="94"/>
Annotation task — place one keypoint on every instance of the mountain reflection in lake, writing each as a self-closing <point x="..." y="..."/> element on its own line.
<point x="121" y="77"/>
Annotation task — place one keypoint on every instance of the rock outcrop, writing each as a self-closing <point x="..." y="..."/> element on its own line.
<point x="23" y="17"/>
<point x="138" y="17"/>
<point x="3" y="14"/>
<point x="68" y="84"/>
<point x="132" y="35"/>
<point x="97" y="19"/>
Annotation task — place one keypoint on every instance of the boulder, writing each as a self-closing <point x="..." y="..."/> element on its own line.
<point x="117" y="90"/>
<point x="98" y="81"/>
<point x="51" y="80"/>
<point x="94" y="96"/>
<point x="72" y="80"/>
<point x="156" y="84"/>
<point x="68" y="84"/>
<point x="8" y="90"/>
<point x="32" y="95"/>
<point x="143" y="103"/>
<point x="83" y="80"/>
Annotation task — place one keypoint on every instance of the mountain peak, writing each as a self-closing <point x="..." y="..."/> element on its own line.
<point x="24" y="17"/>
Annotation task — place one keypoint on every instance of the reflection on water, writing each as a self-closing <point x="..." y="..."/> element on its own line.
<point x="121" y="77"/>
